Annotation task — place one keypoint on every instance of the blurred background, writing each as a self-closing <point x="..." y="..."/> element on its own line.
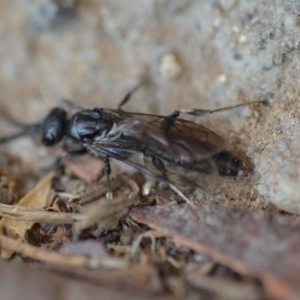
<point x="190" y="54"/>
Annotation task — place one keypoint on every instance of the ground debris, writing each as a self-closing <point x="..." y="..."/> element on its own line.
<point x="189" y="251"/>
<point x="50" y="282"/>
<point x="86" y="168"/>
<point x="35" y="198"/>
<point x="249" y="242"/>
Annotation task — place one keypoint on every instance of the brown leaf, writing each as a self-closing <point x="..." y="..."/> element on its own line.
<point x="36" y="198"/>
<point x="103" y="212"/>
<point x="106" y="213"/>
<point x="87" y="168"/>
<point x="248" y="242"/>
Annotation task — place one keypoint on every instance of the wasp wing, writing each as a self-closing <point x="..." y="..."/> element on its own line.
<point x="176" y="126"/>
<point x="145" y="142"/>
<point x="144" y="163"/>
<point x="172" y="139"/>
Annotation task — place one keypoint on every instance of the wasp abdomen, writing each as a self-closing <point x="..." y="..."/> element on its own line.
<point x="228" y="164"/>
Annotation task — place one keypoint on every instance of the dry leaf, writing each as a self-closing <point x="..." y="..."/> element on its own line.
<point x="106" y="213"/>
<point x="36" y="198"/>
<point x="87" y="168"/>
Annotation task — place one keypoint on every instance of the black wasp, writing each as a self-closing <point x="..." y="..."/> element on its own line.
<point x="165" y="147"/>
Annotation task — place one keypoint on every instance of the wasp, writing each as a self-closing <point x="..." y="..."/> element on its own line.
<point x="164" y="147"/>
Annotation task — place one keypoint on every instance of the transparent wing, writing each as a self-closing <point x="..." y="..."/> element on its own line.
<point x="177" y="126"/>
<point x="175" y="140"/>
<point x="155" y="166"/>
<point x="168" y="149"/>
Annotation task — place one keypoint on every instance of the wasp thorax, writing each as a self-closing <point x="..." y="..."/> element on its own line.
<point x="88" y="124"/>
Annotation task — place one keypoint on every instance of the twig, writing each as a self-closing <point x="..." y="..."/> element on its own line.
<point x="54" y="258"/>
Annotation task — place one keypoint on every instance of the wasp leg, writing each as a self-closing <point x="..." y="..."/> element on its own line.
<point x="109" y="195"/>
<point x="203" y="112"/>
<point x="128" y="96"/>
<point x="159" y="165"/>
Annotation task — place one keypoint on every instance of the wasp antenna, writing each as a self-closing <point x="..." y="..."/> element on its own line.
<point x="31" y="129"/>
<point x="69" y="104"/>
<point x="9" y="138"/>
<point x="259" y="102"/>
<point x="129" y="94"/>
